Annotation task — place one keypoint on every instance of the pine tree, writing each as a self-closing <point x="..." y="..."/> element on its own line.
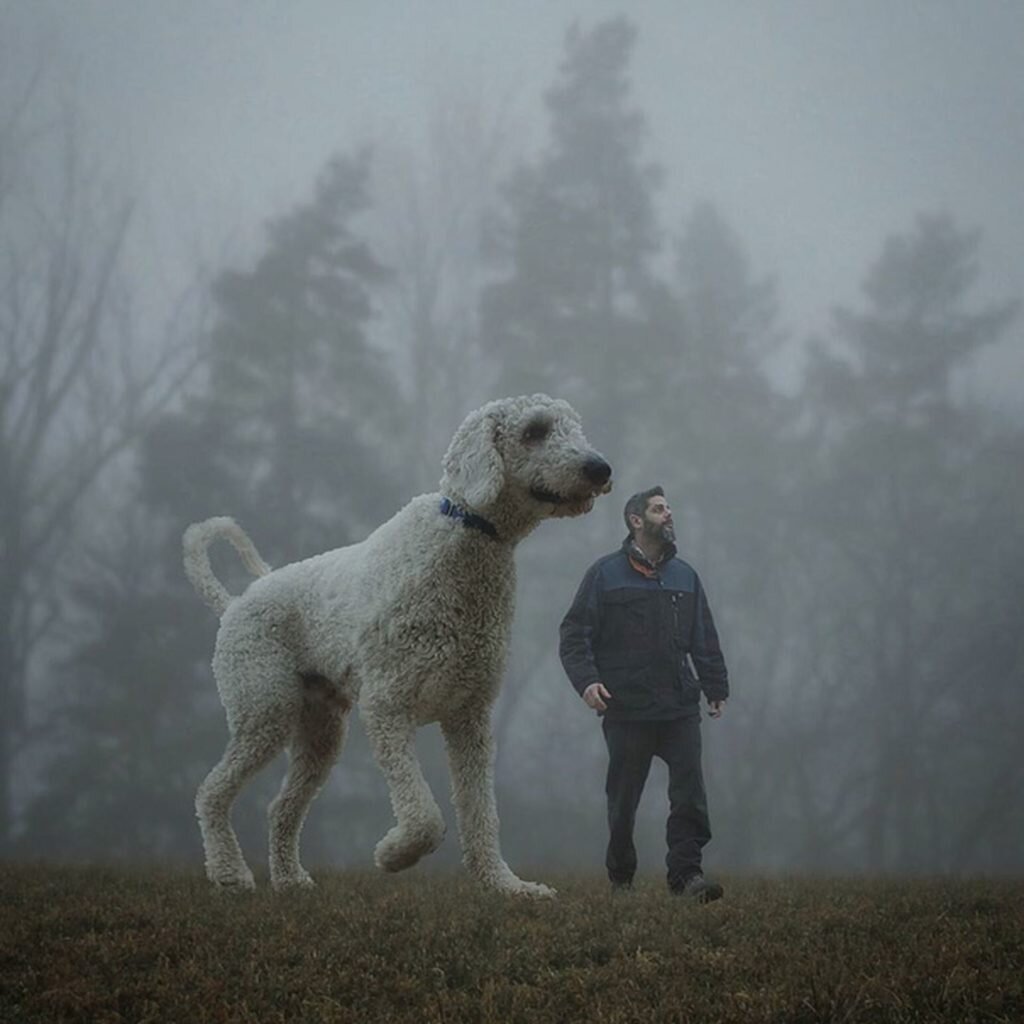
<point x="895" y="528"/>
<point x="578" y="231"/>
<point x="724" y="451"/>
<point x="304" y="401"/>
<point x="569" y="310"/>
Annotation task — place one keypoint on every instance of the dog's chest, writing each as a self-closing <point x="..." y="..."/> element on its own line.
<point x="448" y="636"/>
<point x="452" y="629"/>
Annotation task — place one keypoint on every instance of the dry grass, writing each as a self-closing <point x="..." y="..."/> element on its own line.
<point x="104" y="945"/>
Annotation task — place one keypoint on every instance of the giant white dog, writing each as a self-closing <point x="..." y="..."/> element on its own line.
<point x="412" y="624"/>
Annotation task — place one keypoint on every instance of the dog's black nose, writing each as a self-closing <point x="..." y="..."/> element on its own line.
<point x="597" y="471"/>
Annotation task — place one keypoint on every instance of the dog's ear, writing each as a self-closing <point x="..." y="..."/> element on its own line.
<point x="472" y="466"/>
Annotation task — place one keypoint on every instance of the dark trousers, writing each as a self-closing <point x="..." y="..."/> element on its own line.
<point x="631" y="746"/>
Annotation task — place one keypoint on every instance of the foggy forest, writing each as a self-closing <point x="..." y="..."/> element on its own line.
<point x="851" y="502"/>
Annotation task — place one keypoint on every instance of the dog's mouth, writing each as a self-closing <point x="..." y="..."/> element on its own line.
<point x="546" y="497"/>
<point x="577" y="504"/>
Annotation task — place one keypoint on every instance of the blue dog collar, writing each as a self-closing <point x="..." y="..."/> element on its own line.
<point x="470" y="519"/>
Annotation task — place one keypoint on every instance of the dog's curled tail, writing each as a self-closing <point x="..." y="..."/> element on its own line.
<point x="198" y="537"/>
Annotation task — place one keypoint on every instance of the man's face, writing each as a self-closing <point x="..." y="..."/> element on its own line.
<point x="657" y="523"/>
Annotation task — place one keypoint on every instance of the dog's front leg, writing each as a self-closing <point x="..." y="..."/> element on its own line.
<point x="471" y="761"/>
<point x="420" y="825"/>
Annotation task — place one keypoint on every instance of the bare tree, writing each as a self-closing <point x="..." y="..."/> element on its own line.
<point x="76" y="388"/>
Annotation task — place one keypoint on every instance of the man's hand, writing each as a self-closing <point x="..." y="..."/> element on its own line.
<point x="715" y="708"/>
<point x="595" y="696"/>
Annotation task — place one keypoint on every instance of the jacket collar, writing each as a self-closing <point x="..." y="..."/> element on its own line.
<point x="641" y="563"/>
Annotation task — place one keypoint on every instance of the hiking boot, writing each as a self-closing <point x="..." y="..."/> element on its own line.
<point x="699" y="890"/>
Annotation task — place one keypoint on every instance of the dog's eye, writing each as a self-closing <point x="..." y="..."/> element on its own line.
<point x="536" y="432"/>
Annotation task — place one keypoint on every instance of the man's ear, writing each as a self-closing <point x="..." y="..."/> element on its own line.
<point x="473" y="469"/>
<point x="635" y="521"/>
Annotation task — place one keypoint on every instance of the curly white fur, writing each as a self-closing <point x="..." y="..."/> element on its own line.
<point x="412" y="624"/>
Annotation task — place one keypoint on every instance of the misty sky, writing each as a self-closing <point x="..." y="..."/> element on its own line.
<point x="817" y="127"/>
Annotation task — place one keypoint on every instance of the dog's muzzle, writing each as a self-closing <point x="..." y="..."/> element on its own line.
<point x="598" y="475"/>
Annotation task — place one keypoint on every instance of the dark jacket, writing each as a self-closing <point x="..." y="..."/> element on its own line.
<point x="632" y="630"/>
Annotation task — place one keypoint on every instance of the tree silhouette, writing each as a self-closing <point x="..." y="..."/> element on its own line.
<point x="578" y="231"/>
<point x="894" y="519"/>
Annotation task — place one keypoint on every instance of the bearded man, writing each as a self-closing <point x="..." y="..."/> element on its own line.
<point x="640" y="647"/>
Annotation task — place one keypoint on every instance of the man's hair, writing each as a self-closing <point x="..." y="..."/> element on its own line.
<point x="637" y="505"/>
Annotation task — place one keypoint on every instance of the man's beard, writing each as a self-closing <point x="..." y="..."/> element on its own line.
<point x="663" y="534"/>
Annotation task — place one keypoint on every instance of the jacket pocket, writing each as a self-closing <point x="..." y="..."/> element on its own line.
<point x="689" y="683"/>
<point x="633" y="692"/>
<point x="627" y="622"/>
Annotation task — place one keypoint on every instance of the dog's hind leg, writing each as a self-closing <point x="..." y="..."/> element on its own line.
<point x="420" y="825"/>
<point x="247" y="752"/>
<point x="312" y="751"/>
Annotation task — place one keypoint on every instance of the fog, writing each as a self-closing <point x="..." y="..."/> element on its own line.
<point x="261" y="259"/>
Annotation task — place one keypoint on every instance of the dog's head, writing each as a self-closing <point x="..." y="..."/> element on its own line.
<point x="522" y="460"/>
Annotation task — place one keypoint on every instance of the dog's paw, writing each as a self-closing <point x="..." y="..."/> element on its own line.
<point x="504" y="880"/>
<point x="293" y="882"/>
<point x="401" y="848"/>
<point x="531" y="890"/>
<point x="234" y="883"/>
<point x="395" y="853"/>
<point x="539" y="891"/>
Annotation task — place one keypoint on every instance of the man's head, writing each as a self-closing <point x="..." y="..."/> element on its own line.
<point x="649" y="518"/>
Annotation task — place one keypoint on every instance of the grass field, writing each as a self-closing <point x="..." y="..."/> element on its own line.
<point x="104" y="945"/>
